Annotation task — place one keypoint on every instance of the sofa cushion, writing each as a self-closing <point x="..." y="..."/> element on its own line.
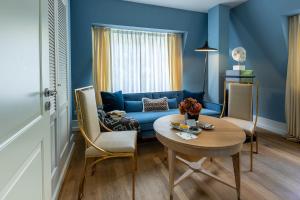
<point x="170" y="94"/>
<point x="146" y="119"/>
<point x="133" y="106"/>
<point x="150" y="105"/>
<point x="112" y="101"/>
<point x="154" y="95"/>
<point x="209" y="112"/>
<point x="172" y="103"/>
<point x="137" y="96"/>
<point x="195" y="95"/>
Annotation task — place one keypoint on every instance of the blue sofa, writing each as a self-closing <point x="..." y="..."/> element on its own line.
<point x="133" y="108"/>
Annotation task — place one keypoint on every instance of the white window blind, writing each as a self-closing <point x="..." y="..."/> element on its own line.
<point x="62" y="53"/>
<point x="52" y="68"/>
<point x="139" y="61"/>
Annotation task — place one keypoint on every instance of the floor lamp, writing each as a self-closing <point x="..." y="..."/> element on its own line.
<point x="205" y="48"/>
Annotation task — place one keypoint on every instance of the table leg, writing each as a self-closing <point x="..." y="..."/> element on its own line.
<point x="171" y="160"/>
<point x="237" y="173"/>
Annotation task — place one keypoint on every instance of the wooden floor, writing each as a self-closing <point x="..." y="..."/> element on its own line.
<point x="276" y="175"/>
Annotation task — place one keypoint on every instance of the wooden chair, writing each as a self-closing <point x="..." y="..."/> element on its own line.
<point x="240" y="110"/>
<point x="101" y="145"/>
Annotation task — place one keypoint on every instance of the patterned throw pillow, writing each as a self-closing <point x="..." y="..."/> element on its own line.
<point x="150" y="105"/>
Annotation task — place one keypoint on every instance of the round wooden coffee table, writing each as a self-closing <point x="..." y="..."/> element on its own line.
<point x="225" y="139"/>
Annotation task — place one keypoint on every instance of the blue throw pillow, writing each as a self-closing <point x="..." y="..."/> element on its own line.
<point x="195" y="95"/>
<point x="133" y="106"/>
<point x="172" y="103"/>
<point x="112" y="101"/>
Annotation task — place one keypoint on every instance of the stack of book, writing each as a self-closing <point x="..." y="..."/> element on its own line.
<point x="239" y="76"/>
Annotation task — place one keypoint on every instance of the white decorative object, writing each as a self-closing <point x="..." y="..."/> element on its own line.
<point x="239" y="55"/>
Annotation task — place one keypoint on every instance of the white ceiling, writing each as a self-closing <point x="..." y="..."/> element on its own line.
<point x="193" y="5"/>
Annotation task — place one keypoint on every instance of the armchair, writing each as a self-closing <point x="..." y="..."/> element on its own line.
<point x="240" y="110"/>
<point x="101" y="145"/>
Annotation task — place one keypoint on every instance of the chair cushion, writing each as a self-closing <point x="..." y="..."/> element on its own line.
<point x="88" y="107"/>
<point x="112" y="101"/>
<point x="247" y="126"/>
<point x="116" y="142"/>
<point x="150" y="105"/>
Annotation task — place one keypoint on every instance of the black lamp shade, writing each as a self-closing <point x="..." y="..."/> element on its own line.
<point x="206" y="48"/>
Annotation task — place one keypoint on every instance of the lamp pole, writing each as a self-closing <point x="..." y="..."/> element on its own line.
<point x="205" y="48"/>
<point x="205" y="70"/>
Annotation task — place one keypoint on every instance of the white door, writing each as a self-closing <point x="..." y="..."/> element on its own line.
<point x="58" y="73"/>
<point x="25" y="167"/>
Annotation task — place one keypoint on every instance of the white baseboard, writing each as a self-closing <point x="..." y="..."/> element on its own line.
<point x="272" y="126"/>
<point x="63" y="173"/>
<point x="276" y="127"/>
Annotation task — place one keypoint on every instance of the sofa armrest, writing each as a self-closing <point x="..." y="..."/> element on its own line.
<point x="213" y="106"/>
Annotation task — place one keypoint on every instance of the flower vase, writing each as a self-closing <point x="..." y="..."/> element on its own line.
<point x="195" y="117"/>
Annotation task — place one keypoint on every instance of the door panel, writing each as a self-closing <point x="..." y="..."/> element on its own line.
<point x="64" y="134"/>
<point x="24" y="123"/>
<point x="53" y="127"/>
<point x="59" y="80"/>
<point x="20" y="61"/>
<point x="29" y="174"/>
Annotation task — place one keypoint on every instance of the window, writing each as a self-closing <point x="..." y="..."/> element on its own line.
<point x="136" y="61"/>
<point x="140" y="61"/>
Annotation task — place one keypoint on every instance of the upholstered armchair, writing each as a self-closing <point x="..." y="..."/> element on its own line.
<point x="101" y="145"/>
<point x="240" y="110"/>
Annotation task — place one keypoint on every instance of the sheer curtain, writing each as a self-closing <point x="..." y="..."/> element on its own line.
<point x="175" y="61"/>
<point x="292" y="100"/>
<point x="140" y="61"/>
<point x="101" y="61"/>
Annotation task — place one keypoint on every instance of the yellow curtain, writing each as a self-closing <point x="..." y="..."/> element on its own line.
<point x="292" y="102"/>
<point x="175" y="61"/>
<point x="101" y="61"/>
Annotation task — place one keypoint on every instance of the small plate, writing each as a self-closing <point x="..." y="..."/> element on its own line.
<point x="187" y="130"/>
<point x="205" y="125"/>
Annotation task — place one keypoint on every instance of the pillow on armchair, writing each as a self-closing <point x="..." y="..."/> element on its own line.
<point x="122" y="124"/>
<point x="112" y="101"/>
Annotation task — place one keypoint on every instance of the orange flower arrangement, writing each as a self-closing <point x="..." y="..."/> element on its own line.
<point x="190" y="106"/>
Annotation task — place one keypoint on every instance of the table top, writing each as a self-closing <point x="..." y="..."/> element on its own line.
<point x="225" y="139"/>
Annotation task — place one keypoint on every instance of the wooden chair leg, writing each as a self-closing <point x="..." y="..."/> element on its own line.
<point x="256" y="135"/>
<point x="136" y="160"/>
<point x="133" y="176"/>
<point x="165" y="153"/>
<point x="251" y="154"/>
<point x="82" y="181"/>
<point x="93" y="168"/>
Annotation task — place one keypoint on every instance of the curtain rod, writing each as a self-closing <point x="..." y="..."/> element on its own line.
<point x="134" y="28"/>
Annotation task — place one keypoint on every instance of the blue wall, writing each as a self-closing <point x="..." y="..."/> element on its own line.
<point x="218" y="30"/>
<point x="86" y="13"/>
<point x="261" y="27"/>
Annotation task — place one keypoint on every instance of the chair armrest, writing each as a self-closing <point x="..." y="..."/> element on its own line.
<point x="102" y="125"/>
<point x="213" y="106"/>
